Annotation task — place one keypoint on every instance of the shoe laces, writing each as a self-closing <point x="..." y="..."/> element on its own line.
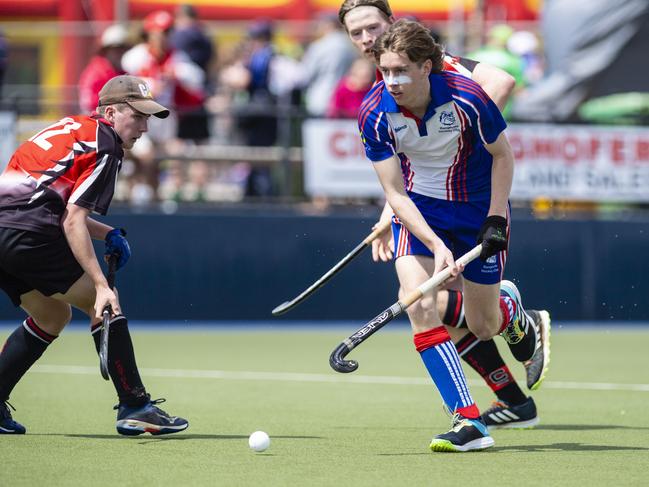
<point x="158" y="401"/>
<point x="152" y="402"/>
<point x="495" y="405"/>
<point x="457" y="419"/>
<point x="4" y="410"/>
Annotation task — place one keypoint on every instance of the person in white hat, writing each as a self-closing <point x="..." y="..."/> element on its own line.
<point x="103" y="66"/>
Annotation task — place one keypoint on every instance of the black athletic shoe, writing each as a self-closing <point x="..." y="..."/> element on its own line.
<point x="465" y="435"/>
<point x="7" y="424"/>
<point x="147" y="419"/>
<point x="502" y="415"/>
<point x="538" y="365"/>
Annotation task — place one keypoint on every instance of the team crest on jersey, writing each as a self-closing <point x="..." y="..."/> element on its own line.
<point x="448" y="122"/>
<point x="447" y="119"/>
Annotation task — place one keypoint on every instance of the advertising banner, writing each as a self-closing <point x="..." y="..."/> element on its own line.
<point x="564" y="162"/>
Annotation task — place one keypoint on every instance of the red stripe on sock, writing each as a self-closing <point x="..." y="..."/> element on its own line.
<point x="430" y="338"/>
<point x="470" y="412"/>
<point x="465" y="342"/>
<point x="458" y="307"/>
<point x="42" y="334"/>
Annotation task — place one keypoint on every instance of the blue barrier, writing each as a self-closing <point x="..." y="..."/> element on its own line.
<point x="238" y="265"/>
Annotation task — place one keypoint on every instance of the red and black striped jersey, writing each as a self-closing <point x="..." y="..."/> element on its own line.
<point x="75" y="160"/>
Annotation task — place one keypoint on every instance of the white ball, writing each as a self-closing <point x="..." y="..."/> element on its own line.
<point x="259" y="441"/>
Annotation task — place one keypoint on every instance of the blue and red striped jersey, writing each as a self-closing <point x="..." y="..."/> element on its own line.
<point x="442" y="155"/>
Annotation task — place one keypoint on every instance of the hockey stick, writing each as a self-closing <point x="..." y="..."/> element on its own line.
<point x="103" y="341"/>
<point x="337" y="357"/>
<point x="288" y="305"/>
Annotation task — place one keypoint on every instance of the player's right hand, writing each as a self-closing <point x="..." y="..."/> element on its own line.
<point x="493" y="236"/>
<point x="105" y="296"/>
<point x="444" y="258"/>
<point x="382" y="246"/>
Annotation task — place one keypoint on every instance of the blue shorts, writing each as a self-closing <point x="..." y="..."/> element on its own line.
<point x="457" y="223"/>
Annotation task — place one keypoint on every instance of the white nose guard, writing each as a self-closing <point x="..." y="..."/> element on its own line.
<point x="402" y="79"/>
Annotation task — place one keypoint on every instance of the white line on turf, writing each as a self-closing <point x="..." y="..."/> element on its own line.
<point x="296" y="377"/>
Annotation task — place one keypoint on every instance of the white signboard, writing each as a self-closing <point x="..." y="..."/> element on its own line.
<point x="568" y="162"/>
<point x="574" y="162"/>
<point x="334" y="160"/>
<point x="7" y="137"/>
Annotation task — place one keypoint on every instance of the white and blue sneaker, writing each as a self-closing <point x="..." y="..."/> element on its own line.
<point x="465" y="435"/>
<point x="147" y="419"/>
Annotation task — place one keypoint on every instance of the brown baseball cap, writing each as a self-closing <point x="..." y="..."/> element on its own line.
<point x="134" y="92"/>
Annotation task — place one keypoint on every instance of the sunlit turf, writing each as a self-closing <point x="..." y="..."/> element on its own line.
<point x="324" y="433"/>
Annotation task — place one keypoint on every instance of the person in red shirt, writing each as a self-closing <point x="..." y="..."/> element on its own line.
<point x="52" y="184"/>
<point x="350" y="91"/>
<point x="105" y="65"/>
<point x="174" y="79"/>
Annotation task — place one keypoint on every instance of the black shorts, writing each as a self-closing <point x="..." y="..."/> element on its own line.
<point x="30" y="260"/>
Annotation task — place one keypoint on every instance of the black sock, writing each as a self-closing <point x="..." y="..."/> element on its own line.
<point x="121" y="362"/>
<point x="485" y="359"/>
<point x="23" y="347"/>
<point x="454" y="313"/>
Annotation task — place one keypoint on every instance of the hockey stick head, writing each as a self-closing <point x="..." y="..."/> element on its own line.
<point x="338" y="362"/>
<point x="282" y="308"/>
<point x="106" y="315"/>
<point x="103" y="344"/>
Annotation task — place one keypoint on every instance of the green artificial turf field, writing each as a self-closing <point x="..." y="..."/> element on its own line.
<point x="364" y="429"/>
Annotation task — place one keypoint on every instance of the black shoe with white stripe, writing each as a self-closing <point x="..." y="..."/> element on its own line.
<point x="8" y="425"/>
<point x="502" y="415"/>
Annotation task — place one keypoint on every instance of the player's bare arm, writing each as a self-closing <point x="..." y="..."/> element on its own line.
<point x="502" y="173"/>
<point x="389" y="173"/>
<point x="495" y="82"/>
<point x="97" y="229"/>
<point x="75" y="228"/>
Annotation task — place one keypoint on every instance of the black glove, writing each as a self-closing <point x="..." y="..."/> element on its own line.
<point x="493" y="236"/>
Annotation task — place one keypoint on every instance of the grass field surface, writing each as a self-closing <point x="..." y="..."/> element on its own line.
<point x="370" y="428"/>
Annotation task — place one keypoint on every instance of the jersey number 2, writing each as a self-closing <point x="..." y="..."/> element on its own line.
<point x="40" y="139"/>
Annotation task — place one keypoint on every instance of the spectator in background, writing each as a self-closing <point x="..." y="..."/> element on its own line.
<point x="188" y="36"/>
<point x="348" y="96"/>
<point x="177" y="82"/>
<point x="254" y="103"/>
<point x="526" y="45"/>
<point x="103" y="66"/>
<point x="495" y="53"/>
<point x="324" y="63"/>
<point x="174" y="79"/>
